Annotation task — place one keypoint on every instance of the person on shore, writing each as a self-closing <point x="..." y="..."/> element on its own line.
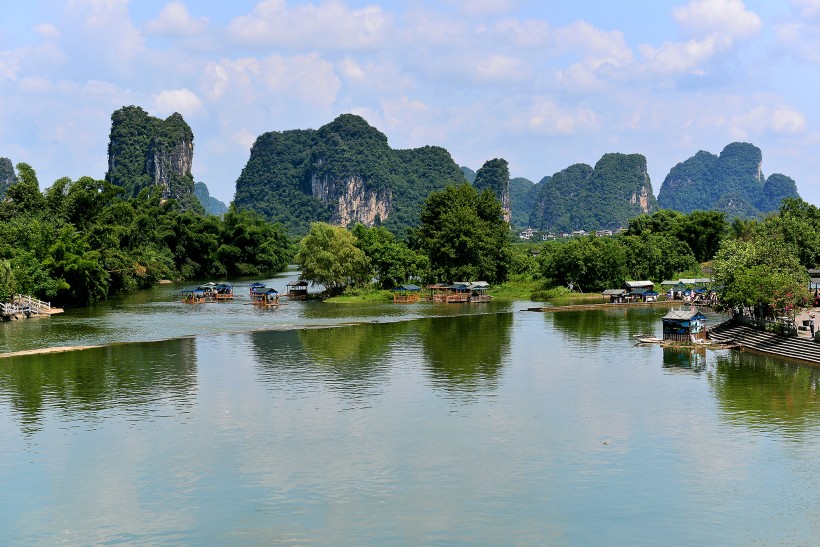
<point x="811" y="325"/>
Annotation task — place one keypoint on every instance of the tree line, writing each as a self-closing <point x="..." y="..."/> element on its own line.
<point x="82" y="240"/>
<point x="461" y="237"/>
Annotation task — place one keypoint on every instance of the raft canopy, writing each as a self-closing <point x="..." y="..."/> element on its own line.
<point x="408" y="288"/>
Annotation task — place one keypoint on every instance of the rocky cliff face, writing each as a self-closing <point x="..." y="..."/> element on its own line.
<point x="343" y="173"/>
<point x="144" y="151"/>
<point x="350" y="201"/>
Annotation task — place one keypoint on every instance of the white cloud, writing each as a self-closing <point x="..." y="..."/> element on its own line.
<point x="102" y="29"/>
<point x="502" y="69"/>
<point x="48" y="31"/>
<point x="729" y="18"/>
<point x="800" y="36"/>
<point x="528" y="33"/>
<point x="807" y="8"/>
<point x="183" y="101"/>
<point x="174" y="20"/>
<point x="35" y="84"/>
<point x="329" y="25"/>
<point x="787" y="121"/>
<point x="546" y="117"/>
<point x="598" y="46"/>
<point x="352" y="69"/>
<point x="484" y="8"/>
<point x="677" y="57"/>
<point x="304" y="78"/>
<point x="244" y="138"/>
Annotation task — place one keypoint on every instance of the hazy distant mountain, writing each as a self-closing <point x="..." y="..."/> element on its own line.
<point x="212" y="205"/>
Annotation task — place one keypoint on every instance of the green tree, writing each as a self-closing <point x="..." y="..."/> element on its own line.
<point x="762" y="273"/>
<point x="464" y="235"/>
<point x="392" y="262"/>
<point x="329" y="256"/>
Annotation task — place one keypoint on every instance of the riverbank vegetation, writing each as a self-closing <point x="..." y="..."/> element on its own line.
<point x="82" y="240"/>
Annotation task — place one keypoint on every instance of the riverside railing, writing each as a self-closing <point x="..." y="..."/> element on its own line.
<point x="784" y="326"/>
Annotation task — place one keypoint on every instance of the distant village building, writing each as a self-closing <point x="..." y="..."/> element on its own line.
<point x="603" y="233"/>
<point x="527" y="234"/>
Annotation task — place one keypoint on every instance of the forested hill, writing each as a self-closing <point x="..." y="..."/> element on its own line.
<point x="344" y="173"/>
<point x="732" y="183"/>
<point x="144" y="151"/>
<point x="584" y="198"/>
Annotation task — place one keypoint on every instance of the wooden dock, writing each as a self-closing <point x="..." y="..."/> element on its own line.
<point x="23" y="306"/>
<point x="611" y="306"/>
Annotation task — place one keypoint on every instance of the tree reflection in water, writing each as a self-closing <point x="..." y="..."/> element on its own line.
<point x="352" y="359"/>
<point x="595" y="326"/>
<point x="465" y="354"/>
<point x="763" y="391"/>
<point x="88" y="383"/>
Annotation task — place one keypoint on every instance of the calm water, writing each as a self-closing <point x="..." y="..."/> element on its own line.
<point x="500" y="427"/>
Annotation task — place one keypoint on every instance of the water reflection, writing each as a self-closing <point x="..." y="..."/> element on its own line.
<point x="595" y="325"/>
<point x="81" y="384"/>
<point x="759" y="390"/>
<point x="352" y="359"/>
<point x="683" y="358"/>
<point x="465" y="354"/>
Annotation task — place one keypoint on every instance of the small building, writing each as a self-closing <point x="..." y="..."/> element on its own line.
<point x="478" y="292"/>
<point x="265" y="297"/>
<point x="684" y="326"/>
<point x="297" y="290"/>
<point x="406" y="294"/>
<point x="615" y="295"/>
<point x="632" y="286"/>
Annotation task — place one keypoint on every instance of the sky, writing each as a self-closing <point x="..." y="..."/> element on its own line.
<point x="542" y="84"/>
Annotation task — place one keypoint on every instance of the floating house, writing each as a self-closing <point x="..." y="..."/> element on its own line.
<point x="222" y="291"/>
<point x="193" y="296"/>
<point x="263" y="296"/>
<point x="684" y="326"/>
<point x="615" y="295"/>
<point x="406" y="294"/>
<point x="436" y="292"/>
<point x="254" y="286"/>
<point x="458" y="293"/>
<point x="297" y="290"/>
<point x="478" y="292"/>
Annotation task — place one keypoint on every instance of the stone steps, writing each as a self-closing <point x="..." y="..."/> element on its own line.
<point x="799" y="349"/>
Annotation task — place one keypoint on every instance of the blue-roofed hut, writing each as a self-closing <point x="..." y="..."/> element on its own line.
<point x="684" y="326"/>
<point x="256" y="285"/>
<point x="263" y="296"/>
<point x="193" y="296"/>
<point x="223" y="291"/>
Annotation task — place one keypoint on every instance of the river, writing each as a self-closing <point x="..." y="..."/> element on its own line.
<point x="419" y="424"/>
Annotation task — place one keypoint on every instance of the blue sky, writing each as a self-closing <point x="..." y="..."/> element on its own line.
<point x="540" y="84"/>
